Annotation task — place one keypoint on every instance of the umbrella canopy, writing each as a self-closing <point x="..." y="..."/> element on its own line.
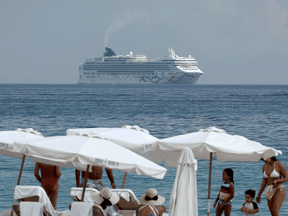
<point x="185" y="186"/>
<point x="131" y="137"/>
<point x="224" y="146"/>
<point x="90" y="151"/>
<point x="7" y="139"/>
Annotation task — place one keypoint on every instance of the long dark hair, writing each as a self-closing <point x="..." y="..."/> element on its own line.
<point x="105" y="203"/>
<point x="229" y="172"/>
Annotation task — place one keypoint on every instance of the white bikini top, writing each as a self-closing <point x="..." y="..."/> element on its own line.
<point x="274" y="173"/>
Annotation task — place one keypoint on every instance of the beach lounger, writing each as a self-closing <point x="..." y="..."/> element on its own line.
<point x="127" y="206"/>
<point x="76" y="194"/>
<point x="34" y="194"/>
<point x="27" y="204"/>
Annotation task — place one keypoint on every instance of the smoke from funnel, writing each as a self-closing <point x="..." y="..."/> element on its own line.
<point x="118" y="23"/>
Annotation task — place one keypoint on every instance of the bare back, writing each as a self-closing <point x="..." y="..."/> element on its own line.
<point x="48" y="171"/>
<point x="95" y="174"/>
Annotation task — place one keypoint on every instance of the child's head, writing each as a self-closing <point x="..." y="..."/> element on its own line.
<point x="228" y="175"/>
<point x="249" y="195"/>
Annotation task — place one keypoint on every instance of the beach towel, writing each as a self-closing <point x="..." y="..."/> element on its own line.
<point x="81" y="209"/>
<point x="31" y="209"/>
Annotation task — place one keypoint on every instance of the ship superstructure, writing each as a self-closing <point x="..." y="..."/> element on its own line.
<point x="112" y="68"/>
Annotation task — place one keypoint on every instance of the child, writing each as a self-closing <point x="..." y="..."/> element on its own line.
<point x="249" y="207"/>
<point x="226" y="194"/>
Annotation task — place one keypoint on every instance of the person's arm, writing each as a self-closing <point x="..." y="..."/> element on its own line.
<point x="111" y="178"/>
<point x="243" y="208"/>
<point x="216" y="200"/>
<point x="252" y="211"/>
<point x="283" y="172"/>
<point x="77" y="176"/>
<point x="36" y="172"/>
<point x="58" y="172"/>
<point x="262" y="187"/>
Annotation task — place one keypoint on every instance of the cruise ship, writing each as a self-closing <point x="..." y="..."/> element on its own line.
<point x="112" y="68"/>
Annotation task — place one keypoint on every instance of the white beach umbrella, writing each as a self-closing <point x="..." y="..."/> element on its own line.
<point x="183" y="199"/>
<point x="90" y="151"/>
<point x="210" y="142"/>
<point x="131" y="137"/>
<point x="224" y="146"/>
<point x="7" y="139"/>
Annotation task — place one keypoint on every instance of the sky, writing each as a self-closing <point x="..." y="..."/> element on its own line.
<point x="234" y="41"/>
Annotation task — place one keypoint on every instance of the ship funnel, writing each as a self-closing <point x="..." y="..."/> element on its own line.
<point x="109" y="52"/>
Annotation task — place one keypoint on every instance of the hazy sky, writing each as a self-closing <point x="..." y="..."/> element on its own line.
<point x="234" y="42"/>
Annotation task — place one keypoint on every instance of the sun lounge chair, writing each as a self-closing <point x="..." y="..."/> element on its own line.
<point x="76" y="194"/>
<point x="127" y="206"/>
<point x="35" y="194"/>
<point x="25" y="205"/>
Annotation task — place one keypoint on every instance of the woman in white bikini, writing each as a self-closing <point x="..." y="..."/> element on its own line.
<point x="274" y="174"/>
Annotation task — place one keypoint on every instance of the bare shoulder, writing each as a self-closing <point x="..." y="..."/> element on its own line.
<point x="280" y="165"/>
<point x="231" y="185"/>
<point x="264" y="167"/>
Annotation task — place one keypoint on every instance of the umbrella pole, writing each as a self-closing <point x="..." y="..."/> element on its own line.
<point x="85" y="182"/>
<point x="20" y="173"/>
<point x="19" y="177"/>
<point x="124" y="179"/>
<point x="209" y="186"/>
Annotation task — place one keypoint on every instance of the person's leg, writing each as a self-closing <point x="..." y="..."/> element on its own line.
<point x="218" y="209"/>
<point x="277" y="201"/>
<point x="227" y="209"/>
<point x="54" y="195"/>
<point x="47" y="189"/>
<point x="270" y="206"/>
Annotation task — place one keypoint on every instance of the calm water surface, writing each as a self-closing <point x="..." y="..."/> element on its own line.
<point x="258" y="112"/>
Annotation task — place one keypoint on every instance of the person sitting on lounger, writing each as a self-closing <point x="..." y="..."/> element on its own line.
<point x="150" y="204"/>
<point x="106" y="199"/>
<point x="49" y="180"/>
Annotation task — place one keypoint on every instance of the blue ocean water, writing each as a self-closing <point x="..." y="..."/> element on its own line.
<point x="258" y="112"/>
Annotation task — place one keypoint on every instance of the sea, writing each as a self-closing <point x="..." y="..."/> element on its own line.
<point x="257" y="112"/>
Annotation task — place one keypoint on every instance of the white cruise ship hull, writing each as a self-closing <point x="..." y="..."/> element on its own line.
<point x="136" y="69"/>
<point x="179" y="77"/>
